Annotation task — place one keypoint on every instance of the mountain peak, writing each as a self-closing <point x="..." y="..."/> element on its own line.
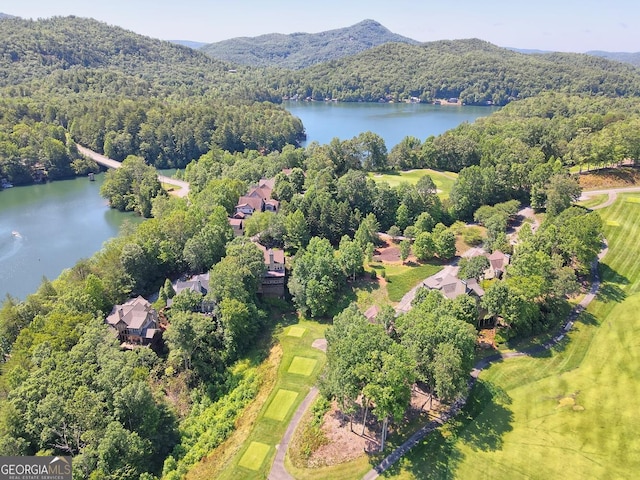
<point x="300" y="50"/>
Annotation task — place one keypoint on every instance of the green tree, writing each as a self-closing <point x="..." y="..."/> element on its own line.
<point x="405" y="249"/>
<point x="350" y="257"/>
<point x="424" y="247"/>
<point x="315" y="278"/>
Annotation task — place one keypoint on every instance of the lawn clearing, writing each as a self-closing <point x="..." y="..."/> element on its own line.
<point x="632" y="199"/>
<point x="254" y="456"/>
<point x="568" y="413"/>
<point x="302" y="366"/>
<point x="444" y="180"/>
<point x="295" y="331"/>
<point x="402" y="278"/>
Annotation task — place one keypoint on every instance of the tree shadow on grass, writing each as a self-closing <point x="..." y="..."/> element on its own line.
<point x="611" y="287"/>
<point x="481" y="425"/>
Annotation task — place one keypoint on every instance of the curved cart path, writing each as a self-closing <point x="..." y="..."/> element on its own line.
<point x="278" y="471"/>
<point x="612" y="193"/>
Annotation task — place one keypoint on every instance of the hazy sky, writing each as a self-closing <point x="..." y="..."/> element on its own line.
<point x="563" y="25"/>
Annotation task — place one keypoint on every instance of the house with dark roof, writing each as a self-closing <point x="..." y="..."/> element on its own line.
<point x="452" y="287"/>
<point x="135" y="321"/>
<point x="198" y="284"/>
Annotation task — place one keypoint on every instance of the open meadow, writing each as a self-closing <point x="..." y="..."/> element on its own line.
<point x="568" y="413"/>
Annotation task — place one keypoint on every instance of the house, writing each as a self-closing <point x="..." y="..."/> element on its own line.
<point x="271" y="205"/>
<point x="498" y="262"/>
<point x="273" y="281"/>
<point x="452" y="287"/>
<point x="258" y="199"/>
<point x="198" y="284"/>
<point x="135" y="321"/>
<point x="247" y="205"/>
<point x="237" y="224"/>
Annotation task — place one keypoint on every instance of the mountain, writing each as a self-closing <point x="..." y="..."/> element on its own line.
<point x="189" y="43"/>
<point x="474" y="71"/>
<point x="6" y="15"/>
<point x="625" y="57"/>
<point x="300" y="50"/>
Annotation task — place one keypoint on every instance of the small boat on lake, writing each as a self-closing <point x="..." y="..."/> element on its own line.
<point x="4" y="183"/>
<point x="16" y="234"/>
<point x="92" y="178"/>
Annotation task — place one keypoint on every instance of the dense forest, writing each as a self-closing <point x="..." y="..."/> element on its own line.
<point x="67" y="388"/>
<point x="300" y="50"/>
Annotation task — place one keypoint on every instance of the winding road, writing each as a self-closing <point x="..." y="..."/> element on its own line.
<point x="110" y="163"/>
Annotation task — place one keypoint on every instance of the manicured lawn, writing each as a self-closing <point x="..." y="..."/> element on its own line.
<point x="569" y="413"/>
<point x="273" y="418"/>
<point x="594" y="201"/>
<point x="254" y="456"/>
<point x="281" y="404"/>
<point x="295" y="331"/>
<point x="444" y="180"/>
<point x="302" y="366"/>
<point x="402" y="278"/>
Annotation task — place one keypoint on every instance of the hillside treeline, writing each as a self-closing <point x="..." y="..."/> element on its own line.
<point x="473" y="71"/>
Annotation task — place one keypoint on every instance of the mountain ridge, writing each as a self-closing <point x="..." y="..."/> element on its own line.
<point x="299" y="50"/>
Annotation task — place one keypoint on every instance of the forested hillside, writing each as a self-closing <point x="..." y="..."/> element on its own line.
<point x="73" y="79"/>
<point x="474" y="71"/>
<point x="300" y="50"/>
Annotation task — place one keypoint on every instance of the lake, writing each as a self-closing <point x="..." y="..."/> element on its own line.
<point x="61" y="222"/>
<point x="49" y="227"/>
<point x="392" y="121"/>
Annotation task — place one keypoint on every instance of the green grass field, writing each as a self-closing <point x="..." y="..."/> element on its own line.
<point x="444" y="180"/>
<point x="302" y="366"/>
<point x="295" y="331"/>
<point x="402" y="278"/>
<point x="568" y="413"/>
<point x="281" y="404"/>
<point x="254" y="456"/>
<point x="289" y="390"/>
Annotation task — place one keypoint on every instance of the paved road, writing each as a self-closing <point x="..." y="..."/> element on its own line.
<point x="278" y="472"/>
<point x="110" y="163"/>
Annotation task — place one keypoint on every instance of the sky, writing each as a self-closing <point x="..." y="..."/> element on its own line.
<point x="558" y="25"/>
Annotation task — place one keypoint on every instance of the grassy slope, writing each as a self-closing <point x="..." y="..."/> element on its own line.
<point x="444" y="180"/>
<point x="571" y="413"/>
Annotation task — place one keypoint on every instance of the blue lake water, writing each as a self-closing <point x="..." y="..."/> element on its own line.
<point x="325" y="120"/>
